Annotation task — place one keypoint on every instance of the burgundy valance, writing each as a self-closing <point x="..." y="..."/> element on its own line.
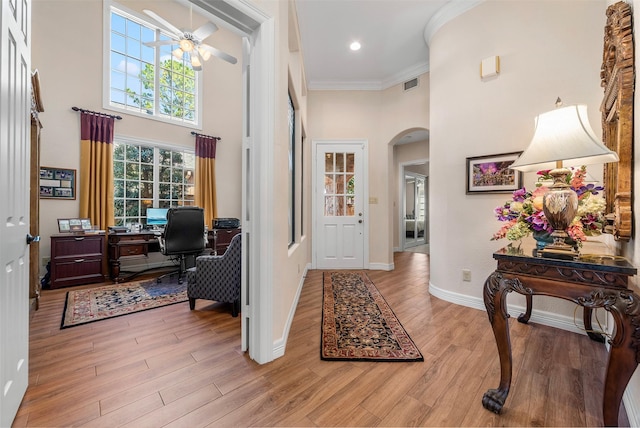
<point x="96" y="127"/>
<point x="206" y="146"/>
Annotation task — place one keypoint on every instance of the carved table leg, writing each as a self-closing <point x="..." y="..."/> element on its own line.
<point x="625" y="353"/>
<point x="495" y="289"/>
<point x="524" y="318"/>
<point x="115" y="270"/>
<point x="589" y="327"/>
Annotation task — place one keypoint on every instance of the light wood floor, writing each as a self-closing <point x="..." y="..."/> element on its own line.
<point x="179" y="368"/>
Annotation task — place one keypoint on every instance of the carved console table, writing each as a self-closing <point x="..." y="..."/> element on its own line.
<point x="591" y="282"/>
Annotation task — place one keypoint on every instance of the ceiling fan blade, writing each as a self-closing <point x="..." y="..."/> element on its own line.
<point x="166" y="24"/>
<point x="161" y="42"/>
<point x="205" y="31"/>
<point x="222" y="55"/>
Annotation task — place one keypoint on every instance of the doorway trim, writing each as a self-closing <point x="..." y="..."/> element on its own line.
<point x="258" y="131"/>
<point x="402" y="201"/>
<point x="365" y="191"/>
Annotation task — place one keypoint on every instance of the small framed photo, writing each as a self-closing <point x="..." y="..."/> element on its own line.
<point x="63" y="225"/>
<point x="491" y="174"/>
<point x="74" y="225"/>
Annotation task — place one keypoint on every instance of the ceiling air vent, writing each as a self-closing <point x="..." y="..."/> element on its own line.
<point x="410" y="84"/>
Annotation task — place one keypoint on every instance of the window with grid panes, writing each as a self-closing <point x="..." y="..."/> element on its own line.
<point x="149" y="176"/>
<point x="145" y="80"/>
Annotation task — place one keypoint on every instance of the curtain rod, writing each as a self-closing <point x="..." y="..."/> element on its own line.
<point x="206" y="136"/>
<point x="95" y="112"/>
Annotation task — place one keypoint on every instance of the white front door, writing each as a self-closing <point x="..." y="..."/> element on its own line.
<point x="15" y="104"/>
<point x="340" y="218"/>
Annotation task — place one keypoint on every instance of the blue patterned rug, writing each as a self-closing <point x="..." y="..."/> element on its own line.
<point x="359" y="325"/>
<point x="99" y="303"/>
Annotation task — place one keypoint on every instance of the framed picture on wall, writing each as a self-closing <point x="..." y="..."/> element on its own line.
<point x="491" y="174"/>
<point x="57" y="183"/>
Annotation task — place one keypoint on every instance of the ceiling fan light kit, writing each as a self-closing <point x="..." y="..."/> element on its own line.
<point x="190" y="43"/>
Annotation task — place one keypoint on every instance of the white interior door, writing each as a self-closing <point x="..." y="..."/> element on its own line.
<point x="340" y="219"/>
<point x="15" y="104"/>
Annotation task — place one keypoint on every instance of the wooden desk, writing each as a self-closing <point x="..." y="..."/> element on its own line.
<point x="590" y="282"/>
<point x="127" y="244"/>
<point x="135" y="244"/>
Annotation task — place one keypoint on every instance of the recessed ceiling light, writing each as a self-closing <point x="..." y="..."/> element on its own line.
<point x="355" y="46"/>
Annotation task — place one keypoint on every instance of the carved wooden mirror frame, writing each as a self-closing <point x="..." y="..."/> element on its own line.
<point x="617" y="79"/>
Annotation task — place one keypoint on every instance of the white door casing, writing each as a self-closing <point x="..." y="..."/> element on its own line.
<point x="257" y="28"/>
<point x="15" y="105"/>
<point x="339" y="209"/>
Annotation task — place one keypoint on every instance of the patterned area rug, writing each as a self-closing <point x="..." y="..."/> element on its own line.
<point x="99" y="303"/>
<point x="359" y="325"/>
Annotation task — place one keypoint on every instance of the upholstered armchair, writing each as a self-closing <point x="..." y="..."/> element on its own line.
<point x="217" y="278"/>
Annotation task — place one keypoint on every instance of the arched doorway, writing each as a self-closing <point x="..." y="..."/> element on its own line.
<point x="411" y="210"/>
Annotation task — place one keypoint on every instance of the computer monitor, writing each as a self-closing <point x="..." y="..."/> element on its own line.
<point x="157" y="216"/>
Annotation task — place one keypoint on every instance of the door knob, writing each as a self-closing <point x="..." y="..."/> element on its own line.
<point x="31" y="238"/>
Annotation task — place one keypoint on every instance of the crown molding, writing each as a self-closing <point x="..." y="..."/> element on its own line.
<point x="445" y="14"/>
<point x="449" y="11"/>
<point x="371" y="85"/>
<point x="408" y="74"/>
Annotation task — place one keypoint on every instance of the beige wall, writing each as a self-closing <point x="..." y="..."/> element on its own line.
<point x="289" y="263"/>
<point x="71" y="75"/>
<point x="379" y="117"/>
<point x="547" y="49"/>
<point x="472" y="117"/>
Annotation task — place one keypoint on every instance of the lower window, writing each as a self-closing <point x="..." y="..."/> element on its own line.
<point x="150" y="176"/>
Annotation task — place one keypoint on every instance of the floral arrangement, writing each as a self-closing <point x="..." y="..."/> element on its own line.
<point x="523" y="214"/>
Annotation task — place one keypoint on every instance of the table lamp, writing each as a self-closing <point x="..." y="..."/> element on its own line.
<point x="563" y="138"/>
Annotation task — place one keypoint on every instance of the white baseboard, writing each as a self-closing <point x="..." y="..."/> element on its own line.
<point x="550" y="319"/>
<point x="631" y="398"/>
<point x="381" y="266"/>
<point x="280" y="345"/>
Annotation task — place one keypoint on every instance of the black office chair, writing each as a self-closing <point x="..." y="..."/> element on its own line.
<point x="184" y="236"/>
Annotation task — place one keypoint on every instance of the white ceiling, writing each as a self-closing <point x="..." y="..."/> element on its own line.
<point x="391" y="33"/>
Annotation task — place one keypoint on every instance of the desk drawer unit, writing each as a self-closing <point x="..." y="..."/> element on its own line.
<point x="126" y="245"/>
<point x="76" y="260"/>
<point x="222" y="238"/>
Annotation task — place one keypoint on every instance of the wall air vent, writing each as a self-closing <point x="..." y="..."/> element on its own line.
<point x="410" y="84"/>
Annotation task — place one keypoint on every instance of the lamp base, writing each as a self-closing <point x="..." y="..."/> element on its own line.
<point x="560" y="205"/>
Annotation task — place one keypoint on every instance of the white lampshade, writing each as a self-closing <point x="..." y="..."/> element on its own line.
<point x="195" y="61"/>
<point x="186" y="45"/>
<point x="565" y="135"/>
<point x="177" y="53"/>
<point x="205" y="54"/>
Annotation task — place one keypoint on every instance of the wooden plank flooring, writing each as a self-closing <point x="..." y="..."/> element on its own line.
<point x="179" y="368"/>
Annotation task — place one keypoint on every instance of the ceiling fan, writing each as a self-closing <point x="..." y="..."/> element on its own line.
<point x="190" y="42"/>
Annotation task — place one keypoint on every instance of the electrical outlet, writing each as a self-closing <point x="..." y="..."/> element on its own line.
<point x="466" y="275"/>
<point x="45" y="260"/>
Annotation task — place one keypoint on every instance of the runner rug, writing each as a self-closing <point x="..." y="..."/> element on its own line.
<point x="99" y="303"/>
<point x="359" y="325"/>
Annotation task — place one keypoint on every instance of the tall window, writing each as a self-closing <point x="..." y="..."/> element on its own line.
<point x="292" y="171"/>
<point x="147" y="176"/>
<point x="145" y="80"/>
